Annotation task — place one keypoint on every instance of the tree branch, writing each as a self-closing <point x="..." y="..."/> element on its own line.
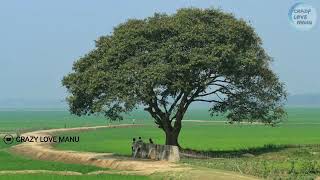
<point x="175" y="102"/>
<point x="163" y="103"/>
<point x="223" y="87"/>
<point x="209" y="101"/>
<point x="213" y="92"/>
<point x="155" y="116"/>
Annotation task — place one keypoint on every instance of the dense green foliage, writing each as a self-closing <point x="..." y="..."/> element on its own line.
<point x="166" y="62"/>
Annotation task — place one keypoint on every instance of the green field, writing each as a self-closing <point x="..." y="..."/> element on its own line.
<point x="12" y="120"/>
<point x="11" y="162"/>
<point x="60" y="177"/>
<point x="26" y="120"/>
<point x="274" y="152"/>
<point x="14" y="162"/>
<point x="302" y="162"/>
<point x="265" y="143"/>
<point x="198" y="136"/>
<point x="302" y="127"/>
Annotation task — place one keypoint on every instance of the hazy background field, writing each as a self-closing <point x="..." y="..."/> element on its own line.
<point x="17" y="119"/>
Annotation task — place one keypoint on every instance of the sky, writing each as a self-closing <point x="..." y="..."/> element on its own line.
<point x="40" y="40"/>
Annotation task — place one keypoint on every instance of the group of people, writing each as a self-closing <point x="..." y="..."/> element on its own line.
<point x="140" y="140"/>
<point x="134" y="141"/>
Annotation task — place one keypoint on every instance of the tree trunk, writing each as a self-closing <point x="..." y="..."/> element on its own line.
<point x="172" y="138"/>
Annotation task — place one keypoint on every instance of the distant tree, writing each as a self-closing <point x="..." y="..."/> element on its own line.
<point x="166" y="62"/>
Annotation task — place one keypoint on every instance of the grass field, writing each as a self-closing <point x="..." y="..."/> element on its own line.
<point x="198" y="136"/>
<point x="60" y="177"/>
<point x="301" y="127"/>
<point x="14" y="162"/>
<point x="31" y="120"/>
<point x="275" y="163"/>
<point x="25" y="120"/>
<point x="269" y="153"/>
<point x="11" y="162"/>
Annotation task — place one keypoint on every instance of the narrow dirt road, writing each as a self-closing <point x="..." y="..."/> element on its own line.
<point x="45" y="151"/>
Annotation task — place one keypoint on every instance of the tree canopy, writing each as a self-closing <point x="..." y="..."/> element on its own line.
<point x="166" y="62"/>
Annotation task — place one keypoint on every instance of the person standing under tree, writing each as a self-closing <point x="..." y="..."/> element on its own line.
<point x="132" y="146"/>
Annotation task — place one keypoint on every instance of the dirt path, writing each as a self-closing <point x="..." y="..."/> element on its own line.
<point x="45" y="151"/>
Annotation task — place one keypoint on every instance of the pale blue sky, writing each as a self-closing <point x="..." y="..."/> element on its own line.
<point x="39" y="40"/>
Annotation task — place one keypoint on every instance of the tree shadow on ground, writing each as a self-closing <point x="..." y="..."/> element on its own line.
<point x="234" y="153"/>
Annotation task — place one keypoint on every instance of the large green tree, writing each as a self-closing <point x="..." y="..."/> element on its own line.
<point x="164" y="63"/>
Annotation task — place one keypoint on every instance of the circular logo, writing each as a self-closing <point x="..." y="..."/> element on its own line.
<point x="303" y="16"/>
<point x="8" y="139"/>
